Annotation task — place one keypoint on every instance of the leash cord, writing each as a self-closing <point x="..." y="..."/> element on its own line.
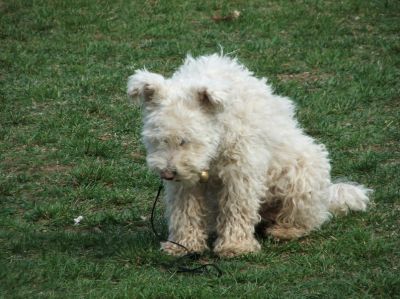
<point x="192" y="256"/>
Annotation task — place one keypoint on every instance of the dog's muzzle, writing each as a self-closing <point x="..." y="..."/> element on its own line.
<point x="167" y="174"/>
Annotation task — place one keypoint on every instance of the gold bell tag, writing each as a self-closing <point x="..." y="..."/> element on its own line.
<point x="204" y="176"/>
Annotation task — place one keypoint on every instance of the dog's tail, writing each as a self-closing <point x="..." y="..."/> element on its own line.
<point x="348" y="196"/>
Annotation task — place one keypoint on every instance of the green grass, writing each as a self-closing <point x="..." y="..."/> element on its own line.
<point x="69" y="143"/>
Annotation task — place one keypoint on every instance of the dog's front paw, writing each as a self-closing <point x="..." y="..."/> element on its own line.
<point x="174" y="249"/>
<point x="231" y="249"/>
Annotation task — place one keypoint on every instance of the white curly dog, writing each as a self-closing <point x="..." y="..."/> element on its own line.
<point x="214" y="120"/>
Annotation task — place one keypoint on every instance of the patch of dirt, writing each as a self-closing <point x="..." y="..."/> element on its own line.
<point x="304" y="77"/>
<point x="137" y="156"/>
<point x="51" y="168"/>
<point x="106" y="137"/>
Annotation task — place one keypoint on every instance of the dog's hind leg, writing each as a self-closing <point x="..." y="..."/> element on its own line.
<point x="302" y="190"/>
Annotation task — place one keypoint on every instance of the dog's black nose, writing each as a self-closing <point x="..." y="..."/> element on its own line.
<point x="168" y="174"/>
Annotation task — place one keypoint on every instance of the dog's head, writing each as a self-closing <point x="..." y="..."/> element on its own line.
<point x="180" y="123"/>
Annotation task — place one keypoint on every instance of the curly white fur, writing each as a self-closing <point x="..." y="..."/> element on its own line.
<point x="214" y="115"/>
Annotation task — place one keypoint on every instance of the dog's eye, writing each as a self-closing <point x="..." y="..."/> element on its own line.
<point x="183" y="142"/>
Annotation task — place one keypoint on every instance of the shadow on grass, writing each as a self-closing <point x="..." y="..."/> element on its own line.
<point x="118" y="243"/>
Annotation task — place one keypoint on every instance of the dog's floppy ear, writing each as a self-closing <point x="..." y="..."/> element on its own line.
<point x="209" y="98"/>
<point x="143" y="85"/>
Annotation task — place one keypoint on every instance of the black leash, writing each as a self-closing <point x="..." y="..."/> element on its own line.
<point x="181" y="262"/>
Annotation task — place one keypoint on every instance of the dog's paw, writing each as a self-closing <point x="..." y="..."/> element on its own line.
<point x="174" y="249"/>
<point x="231" y="249"/>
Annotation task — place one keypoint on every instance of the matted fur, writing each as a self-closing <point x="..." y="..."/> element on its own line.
<point x="214" y="115"/>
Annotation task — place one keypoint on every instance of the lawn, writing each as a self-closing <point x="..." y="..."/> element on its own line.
<point x="70" y="143"/>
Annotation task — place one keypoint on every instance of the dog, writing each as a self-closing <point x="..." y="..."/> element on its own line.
<point x="233" y="157"/>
